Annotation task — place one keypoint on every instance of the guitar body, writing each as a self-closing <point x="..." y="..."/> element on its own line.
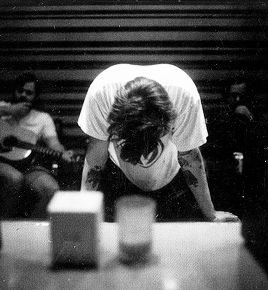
<point x="17" y="143"/>
<point x="15" y="153"/>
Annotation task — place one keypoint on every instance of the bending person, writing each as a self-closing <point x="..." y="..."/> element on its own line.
<point x="149" y="121"/>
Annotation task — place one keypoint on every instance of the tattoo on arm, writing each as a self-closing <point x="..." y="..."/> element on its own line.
<point x="190" y="178"/>
<point x="94" y="176"/>
<point x="182" y="153"/>
<point x="182" y="161"/>
<point x="196" y="155"/>
<point x="193" y="154"/>
<point x="190" y="160"/>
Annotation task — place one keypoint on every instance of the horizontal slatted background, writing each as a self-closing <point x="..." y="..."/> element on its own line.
<point x="67" y="44"/>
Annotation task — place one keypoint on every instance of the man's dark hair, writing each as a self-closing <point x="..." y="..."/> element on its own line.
<point x="141" y="114"/>
<point x="24" y="78"/>
<point x="238" y="80"/>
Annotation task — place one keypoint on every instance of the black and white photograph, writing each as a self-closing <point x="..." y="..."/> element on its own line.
<point x="134" y="144"/>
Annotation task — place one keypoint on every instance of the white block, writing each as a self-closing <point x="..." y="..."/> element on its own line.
<point x="75" y="227"/>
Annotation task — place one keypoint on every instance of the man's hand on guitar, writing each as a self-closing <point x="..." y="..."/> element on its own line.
<point x="68" y="155"/>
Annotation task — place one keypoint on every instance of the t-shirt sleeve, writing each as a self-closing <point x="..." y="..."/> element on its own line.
<point x="4" y="104"/>
<point x="190" y="129"/>
<point x="94" y="113"/>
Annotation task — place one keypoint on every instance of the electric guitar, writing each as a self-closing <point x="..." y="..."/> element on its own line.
<point x="17" y="143"/>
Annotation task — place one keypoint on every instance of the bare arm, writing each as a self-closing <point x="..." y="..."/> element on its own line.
<point x="193" y="169"/>
<point x="96" y="157"/>
<point x="4" y="110"/>
<point x="54" y="143"/>
<point x="16" y="110"/>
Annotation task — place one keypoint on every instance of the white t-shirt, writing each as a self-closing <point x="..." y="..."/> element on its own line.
<point x="188" y="132"/>
<point x="39" y="123"/>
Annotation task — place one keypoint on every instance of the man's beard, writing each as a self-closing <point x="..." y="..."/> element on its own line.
<point x="24" y="100"/>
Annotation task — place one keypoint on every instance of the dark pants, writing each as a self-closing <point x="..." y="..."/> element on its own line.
<point x="175" y="201"/>
<point x="26" y="189"/>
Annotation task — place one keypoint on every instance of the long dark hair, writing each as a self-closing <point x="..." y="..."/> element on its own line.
<point x="141" y="114"/>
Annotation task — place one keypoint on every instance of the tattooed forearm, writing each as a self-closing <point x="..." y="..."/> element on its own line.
<point x="191" y="180"/>
<point x="94" y="176"/>
<point x="196" y="155"/>
<point x="182" y="161"/>
<point x="192" y="166"/>
<point x="193" y="155"/>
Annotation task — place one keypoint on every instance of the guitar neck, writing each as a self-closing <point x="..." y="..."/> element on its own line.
<point x="39" y="149"/>
<point x="10" y="142"/>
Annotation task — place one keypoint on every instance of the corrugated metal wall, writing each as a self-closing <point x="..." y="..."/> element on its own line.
<point x="67" y="45"/>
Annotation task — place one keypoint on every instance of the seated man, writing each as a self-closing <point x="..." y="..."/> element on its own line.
<point x="20" y="178"/>
<point x="149" y="121"/>
<point x="240" y="100"/>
